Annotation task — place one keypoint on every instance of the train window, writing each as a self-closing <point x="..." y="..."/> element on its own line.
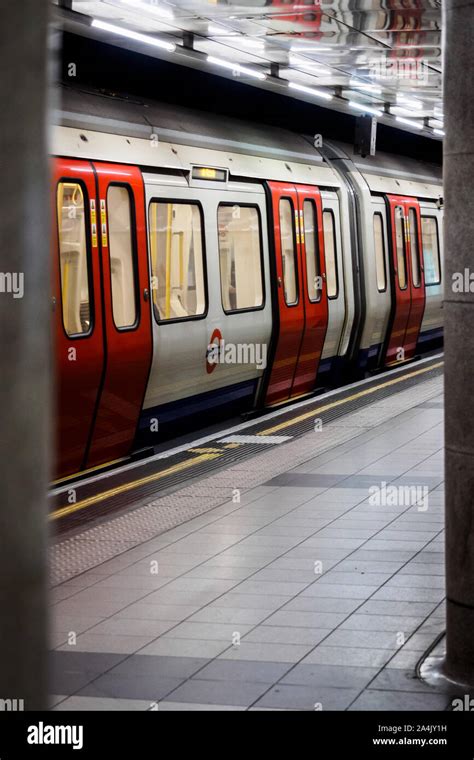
<point x="177" y="260"/>
<point x="379" y="245"/>
<point x="74" y="260"/>
<point x="288" y="252"/>
<point x="313" y="270"/>
<point x="414" y="248"/>
<point x="240" y="257"/>
<point x="122" y="271"/>
<point x="329" y="229"/>
<point x="429" y="235"/>
<point x="400" y="243"/>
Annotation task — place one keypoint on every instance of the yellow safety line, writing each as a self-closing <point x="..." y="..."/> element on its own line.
<point x="63" y="511"/>
<point x="203" y="450"/>
<point x="211" y="453"/>
<point x="366" y="392"/>
<point x="81" y="473"/>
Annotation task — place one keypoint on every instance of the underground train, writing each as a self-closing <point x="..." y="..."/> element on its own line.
<point x="203" y="264"/>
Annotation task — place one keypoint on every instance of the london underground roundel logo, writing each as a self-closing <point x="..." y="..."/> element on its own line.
<point x="212" y="353"/>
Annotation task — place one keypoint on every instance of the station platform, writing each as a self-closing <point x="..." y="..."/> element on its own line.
<point x="301" y="571"/>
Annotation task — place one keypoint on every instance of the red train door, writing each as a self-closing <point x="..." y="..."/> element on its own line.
<point x="407" y="277"/>
<point x="417" y="277"/>
<point x="77" y="311"/>
<point x="290" y="294"/>
<point x="302" y="295"/>
<point x="314" y="291"/>
<point x="127" y="314"/>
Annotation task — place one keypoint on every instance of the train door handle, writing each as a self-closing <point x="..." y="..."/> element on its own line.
<point x="279" y="282"/>
<point x="53" y="303"/>
<point x="146" y="294"/>
<point x="324" y="275"/>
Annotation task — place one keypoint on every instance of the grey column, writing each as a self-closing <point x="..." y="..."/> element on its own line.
<point x="459" y="336"/>
<point x="24" y="349"/>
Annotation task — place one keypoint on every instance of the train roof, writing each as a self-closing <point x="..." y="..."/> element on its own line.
<point x="112" y="127"/>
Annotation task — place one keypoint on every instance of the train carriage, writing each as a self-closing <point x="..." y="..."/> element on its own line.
<point x="203" y="264"/>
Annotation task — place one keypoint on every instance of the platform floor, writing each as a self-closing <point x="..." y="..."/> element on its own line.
<point x="300" y="583"/>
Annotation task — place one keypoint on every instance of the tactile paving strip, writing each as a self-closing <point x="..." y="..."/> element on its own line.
<point x="102" y="542"/>
<point x="165" y="475"/>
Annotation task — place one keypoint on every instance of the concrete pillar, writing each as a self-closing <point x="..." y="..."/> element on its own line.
<point x="459" y="336"/>
<point x="24" y="349"/>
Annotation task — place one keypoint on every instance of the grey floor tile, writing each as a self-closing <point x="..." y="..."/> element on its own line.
<point x="302" y="619"/>
<point x="339" y="591"/>
<point x="377" y="699"/>
<point x="363" y="638"/>
<point x="323" y="604"/>
<point x="164" y="612"/>
<point x="169" y="706"/>
<point x="266" y="652"/>
<point x="70" y="671"/>
<point x="296" y="697"/>
<point x="393" y="607"/>
<point x="118" y="685"/>
<point x="234" y="616"/>
<point x="267" y="588"/>
<point x="218" y="692"/>
<point x="273" y="634"/>
<point x="396" y="679"/>
<point x="303" y="479"/>
<point x="103" y="703"/>
<point x="118" y="625"/>
<point x="397" y="594"/>
<point x="244" y="670"/>
<point x="252" y="601"/>
<point x="160" y="666"/>
<point x="208" y="631"/>
<point x="348" y="656"/>
<point x="103" y="642"/>
<point x="405" y="660"/>
<point x="170" y="647"/>
<point x="395" y="623"/>
<point x="346" y="677"/>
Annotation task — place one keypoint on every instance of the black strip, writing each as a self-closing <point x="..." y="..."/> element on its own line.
<point x="262" y="387"/>
<point x="104" y="327"/>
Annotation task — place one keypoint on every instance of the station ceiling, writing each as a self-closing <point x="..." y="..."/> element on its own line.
<point x="381" y="57"/>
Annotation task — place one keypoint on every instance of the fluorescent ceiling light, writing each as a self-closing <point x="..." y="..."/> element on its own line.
<point x="406" y="101"/>
<point x="251" y="42"/>
<point x="439" y="132"/>
<point x="155" y="10"/>
<point x="236" y="67"/>
<point x="409" y="122"/>
<point x="365" y="86"/>
<point x="310" y="91"/>
<point x="366" y="109"/>
<point x="217" y="29"/>
<point x="145" y="38"/>
<point x="307" y="63"/>
<point x="310" y="49"/>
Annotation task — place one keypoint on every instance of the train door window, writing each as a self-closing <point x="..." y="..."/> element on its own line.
<point x="74" y="259"/>
<point x="122" y="270"/>
<point x="177" y="260"/>
<point x="329" y="229"/>
<point x="429" y="235"/>
<point x="313" y="270"/>
<point x="400" y="244"/>
<point x="414" y="248"/>
<point x="288" y="252"/>
<point x="379" y="246"/>
<point x="240" y="257"/>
